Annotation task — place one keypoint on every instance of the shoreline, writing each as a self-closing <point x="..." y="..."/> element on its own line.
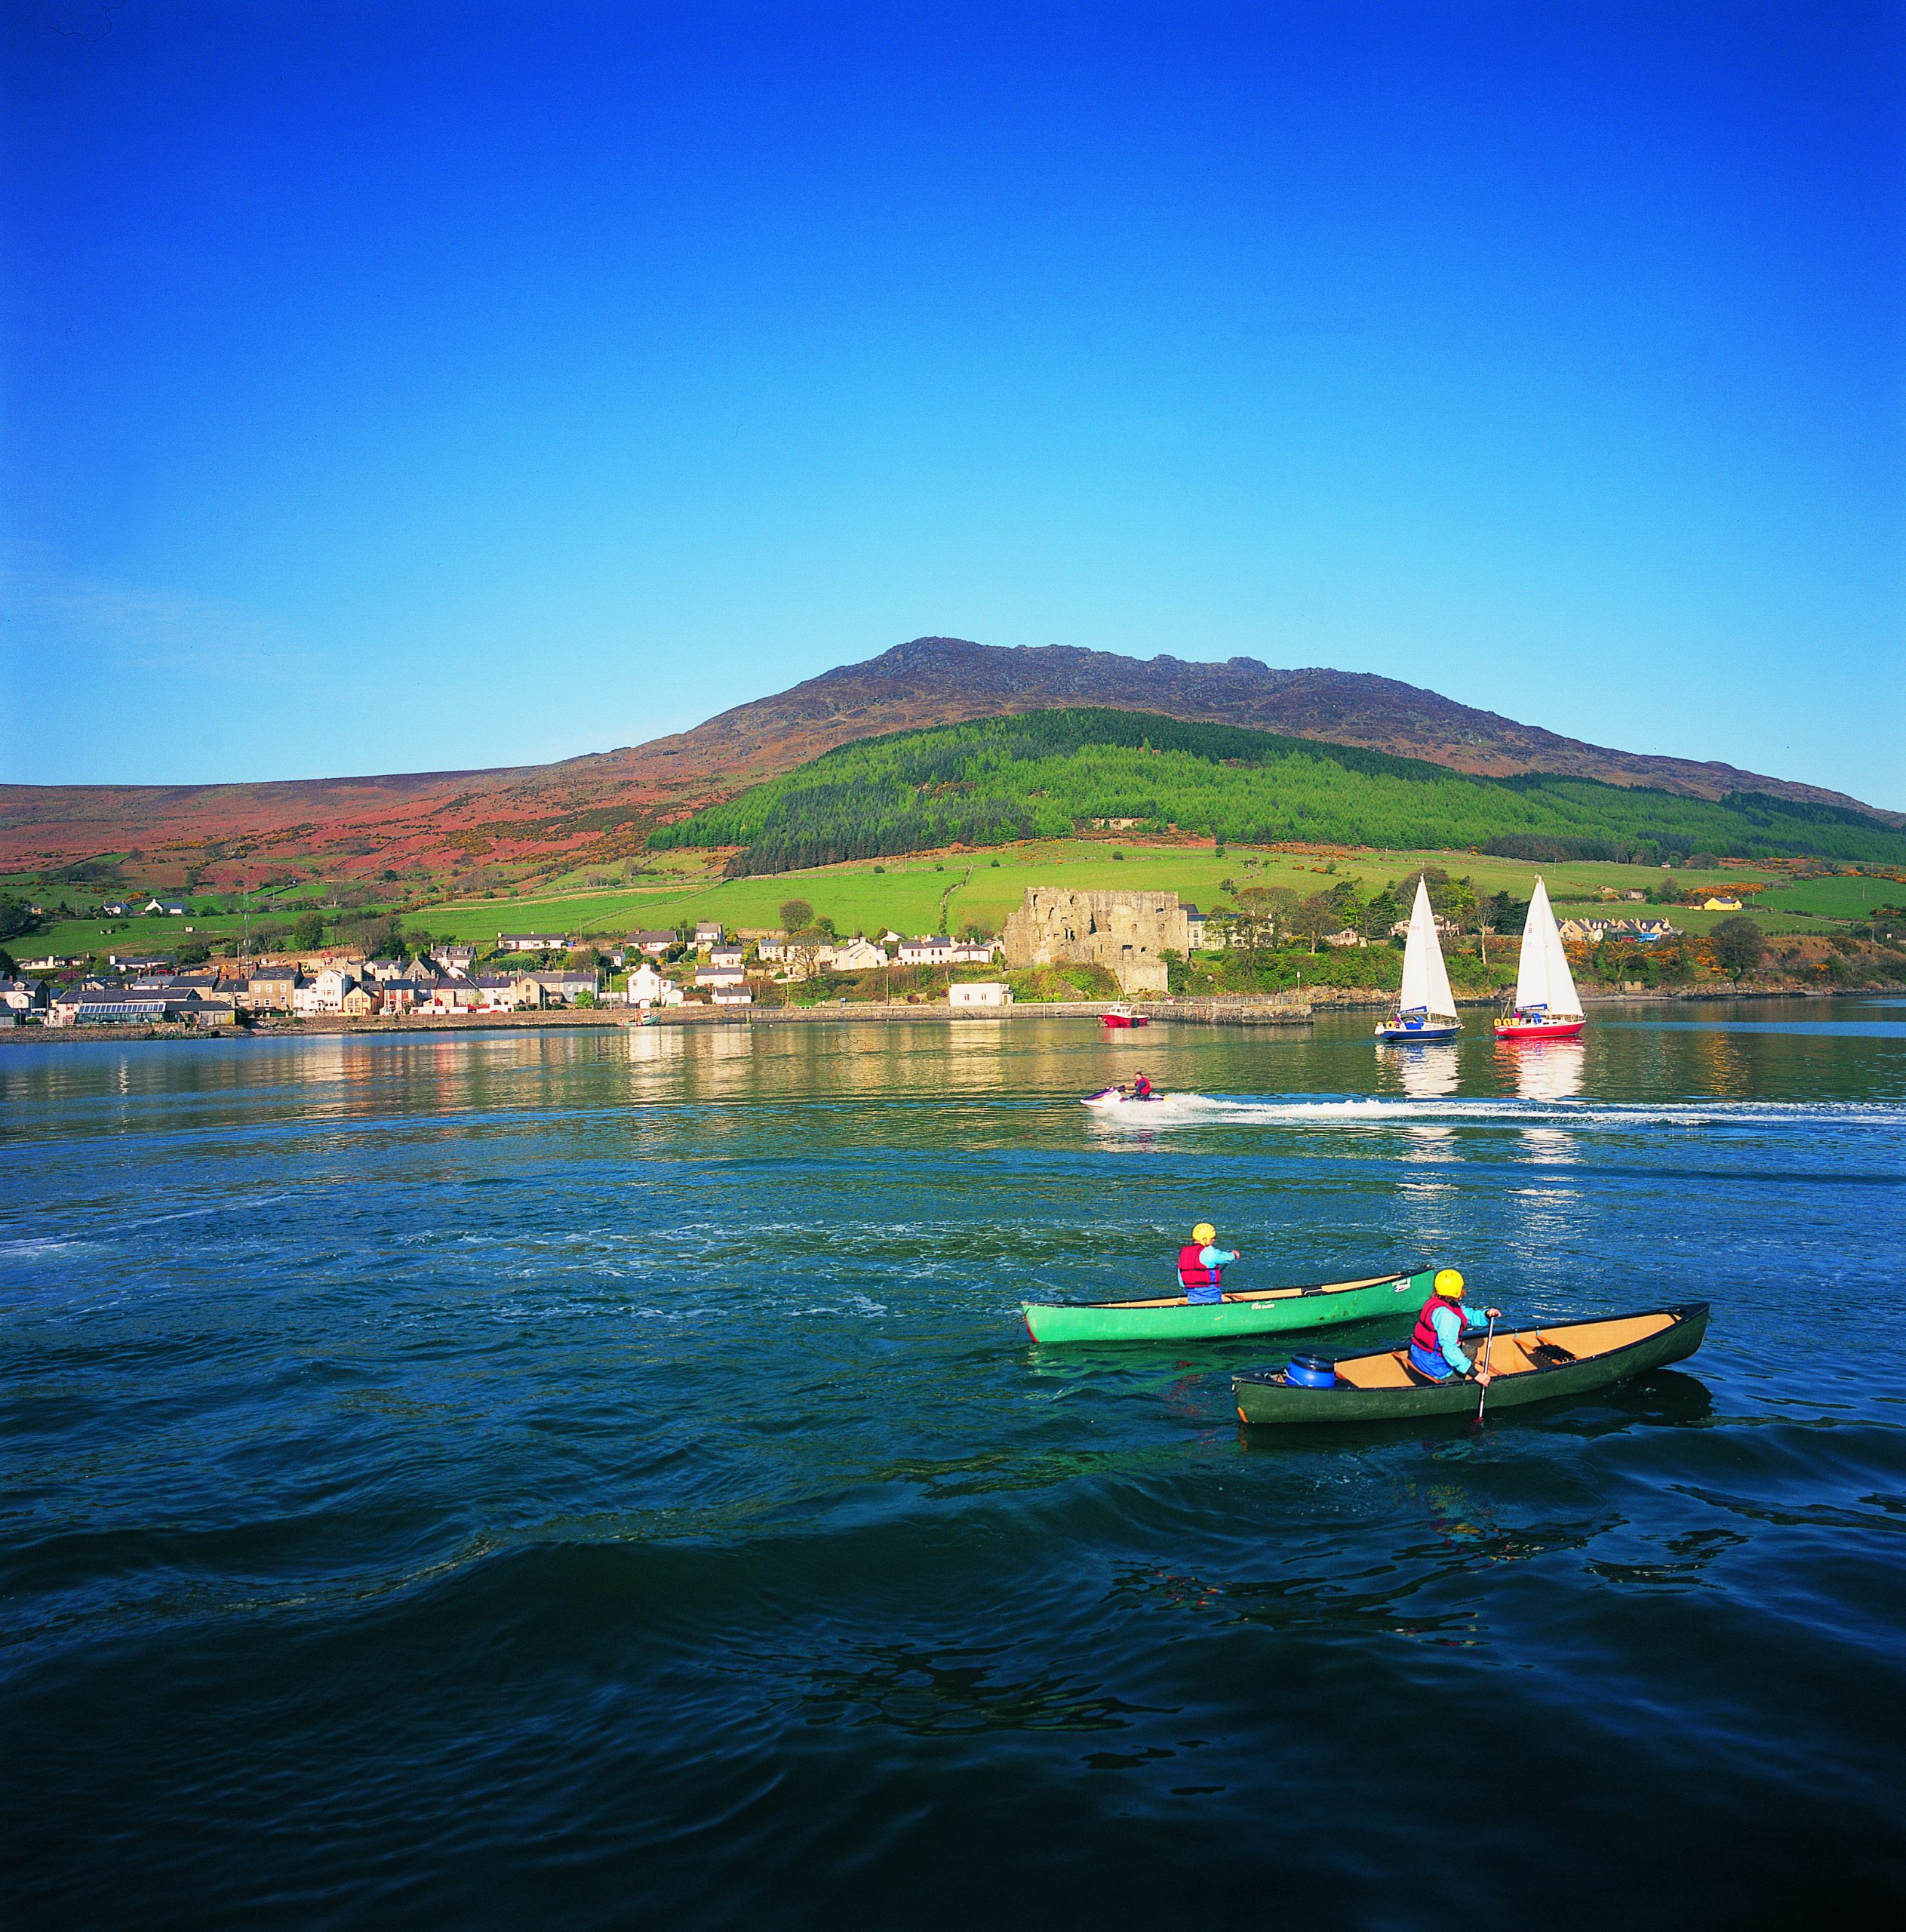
<point x="1240" y="1012"/>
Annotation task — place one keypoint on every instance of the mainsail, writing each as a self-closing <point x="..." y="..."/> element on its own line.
<point x="1425" y="980"/>
<point x="1544" y="983"/>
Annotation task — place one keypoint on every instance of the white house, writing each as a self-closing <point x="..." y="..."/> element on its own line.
<point x="858" y="956"/>
<point x="928" y="952"/>
<point x="720" y="975"/>
<point x="979" y="992"/>
<point x="651" y="940"/>
<point x="974" y="952"/>
<point x="734" y="995"/>
<point x="324" y="994"/>
<point x="532" y="942"/>
<point x="708" y="932"/>
<point x="646" y="987"/>
<point x="728" y="954"/>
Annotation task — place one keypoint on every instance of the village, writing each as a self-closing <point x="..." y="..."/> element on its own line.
<point x="524" y="972"/>
<point x="1131" y="936"/>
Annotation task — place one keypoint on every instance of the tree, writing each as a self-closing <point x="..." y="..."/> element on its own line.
<point x="1310" y="918"/>
<point x="797" y="915"/>
<point x="1505" y="913"/>
<point x="1738" y="946"/>
<point x="308" y="933"/>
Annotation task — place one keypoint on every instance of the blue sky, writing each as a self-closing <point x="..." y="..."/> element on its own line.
<point x="393" y="386"/>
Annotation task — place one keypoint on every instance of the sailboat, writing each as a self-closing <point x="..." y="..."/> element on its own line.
<point x="1426" y="1009"/>
<point x="1548" y="1007"/>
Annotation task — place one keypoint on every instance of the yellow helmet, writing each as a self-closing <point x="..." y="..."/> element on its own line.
<point x="1204" y="1232"/>
<point x="1448" y="1282"/>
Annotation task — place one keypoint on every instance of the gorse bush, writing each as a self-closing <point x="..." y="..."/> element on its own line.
<point x="997" y="780"/>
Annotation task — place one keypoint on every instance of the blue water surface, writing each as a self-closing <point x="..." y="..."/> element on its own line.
<point x="597" y="1479"/>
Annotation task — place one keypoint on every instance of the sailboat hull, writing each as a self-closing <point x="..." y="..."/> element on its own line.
<point x="1538" y="1029"/>
<point x="1413" y="1033"/>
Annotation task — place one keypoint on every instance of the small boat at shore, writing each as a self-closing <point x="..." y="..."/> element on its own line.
<point x="1426" y="1009"/>
<point x="1125" y="1016"/>
<point x="1558" y="1360"/>
<point x="1243" y="1311"/>
<point x="1548" y="1007"/>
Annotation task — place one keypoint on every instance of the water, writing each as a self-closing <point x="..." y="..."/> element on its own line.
<point x="585" y="1480"/>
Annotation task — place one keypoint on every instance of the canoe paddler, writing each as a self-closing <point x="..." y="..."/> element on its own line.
<point x="1435" y="1348"/>
<point x="1201" y="1264"/>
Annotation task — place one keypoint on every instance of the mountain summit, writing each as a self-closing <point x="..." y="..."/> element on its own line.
<point x="944" y="680"/>
<point x="603" y="803"/>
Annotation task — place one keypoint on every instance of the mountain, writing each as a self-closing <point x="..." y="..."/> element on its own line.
<point x="602" y="806"/>
<point x="1038" y="775"/>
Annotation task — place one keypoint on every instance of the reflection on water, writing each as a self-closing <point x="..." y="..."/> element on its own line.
<point x="428" y="1450"/>
<point x="1546" y="1069"/>
<point x="1423" y="1073"/>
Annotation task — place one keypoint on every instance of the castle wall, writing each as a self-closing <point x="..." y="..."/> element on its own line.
<point x="1130" y="932"/>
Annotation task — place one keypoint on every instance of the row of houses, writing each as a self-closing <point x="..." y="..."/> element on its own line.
<point x="1592" y="932"/>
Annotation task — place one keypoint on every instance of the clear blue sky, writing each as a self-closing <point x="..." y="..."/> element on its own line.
<point x="397" y="386"/>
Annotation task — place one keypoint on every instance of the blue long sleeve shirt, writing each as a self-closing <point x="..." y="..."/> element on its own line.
<point x="1451" y="1323"/>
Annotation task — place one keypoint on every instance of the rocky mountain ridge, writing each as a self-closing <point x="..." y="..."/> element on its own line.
<point x="601" y="804"/>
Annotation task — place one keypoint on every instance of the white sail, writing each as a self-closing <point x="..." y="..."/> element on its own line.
<point x="1544" y="983"/>
<point x="1425" y="979"/>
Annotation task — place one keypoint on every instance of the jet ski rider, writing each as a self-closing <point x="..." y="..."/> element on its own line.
<point x="1137" y="1088"/>
<point x="1201" y="1265"/>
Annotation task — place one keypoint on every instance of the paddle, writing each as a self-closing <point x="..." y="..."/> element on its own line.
<point x="1488" y="1342"/>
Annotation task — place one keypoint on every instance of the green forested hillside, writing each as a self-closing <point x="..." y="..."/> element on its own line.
<point x="1039" y="775"/>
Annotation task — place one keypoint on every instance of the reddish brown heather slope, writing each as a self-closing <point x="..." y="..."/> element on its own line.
<point x="600" y="806"/>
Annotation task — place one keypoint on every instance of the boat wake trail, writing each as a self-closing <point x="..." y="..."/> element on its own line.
<point x="1331" y="1110"/>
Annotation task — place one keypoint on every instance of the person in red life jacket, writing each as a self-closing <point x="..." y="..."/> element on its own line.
<point x="1201" y="1265"/>
<point x="1138" y="1087"/>
<point x="1435" y="1348"/>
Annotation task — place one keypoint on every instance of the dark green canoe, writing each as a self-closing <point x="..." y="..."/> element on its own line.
<point x="1558" y="1360"/>
<point x="1243" y="1311"/>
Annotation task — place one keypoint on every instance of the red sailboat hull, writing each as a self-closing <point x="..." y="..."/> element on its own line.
<point x="1538" y="1029"/>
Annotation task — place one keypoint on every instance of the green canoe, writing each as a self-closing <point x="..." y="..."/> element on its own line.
<point x="1543" y="1364"/>
<point x="1243" y="1311"/>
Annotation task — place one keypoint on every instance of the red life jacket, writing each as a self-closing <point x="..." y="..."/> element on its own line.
<point x="1192" y="1273"/>
<point x="1424" y="1335"/>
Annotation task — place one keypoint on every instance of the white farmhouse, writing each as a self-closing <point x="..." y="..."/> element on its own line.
<point x="646" y="987"/>
<point x="979" y="992"/>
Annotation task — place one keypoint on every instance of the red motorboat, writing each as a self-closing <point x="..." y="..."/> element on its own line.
<point x="1125" y="1016"/>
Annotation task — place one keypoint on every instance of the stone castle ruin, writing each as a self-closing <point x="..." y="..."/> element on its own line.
<point x="1129" y="932"/>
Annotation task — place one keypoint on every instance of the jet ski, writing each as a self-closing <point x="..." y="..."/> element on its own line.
<point x="1117" y="1097"/>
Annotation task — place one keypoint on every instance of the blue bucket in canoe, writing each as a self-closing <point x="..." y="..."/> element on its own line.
<point x="1311" y="1371"/>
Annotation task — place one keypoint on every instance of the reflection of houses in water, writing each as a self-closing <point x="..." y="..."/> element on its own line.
<point x="1548" y="1070"/>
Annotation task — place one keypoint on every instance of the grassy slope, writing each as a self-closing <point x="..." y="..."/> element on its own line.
<point x="906" y="896"/>
<point x="993" y="780"/>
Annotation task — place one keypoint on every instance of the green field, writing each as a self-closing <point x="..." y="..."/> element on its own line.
<point x="929" y="894"/>
<point x="906" y="895"/>
<point x="1833" y="898"/>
